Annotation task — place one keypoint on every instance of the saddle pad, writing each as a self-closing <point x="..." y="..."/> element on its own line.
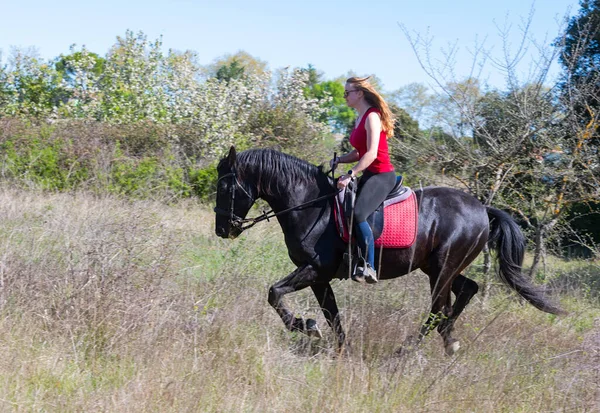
<point x="400" y="224"/>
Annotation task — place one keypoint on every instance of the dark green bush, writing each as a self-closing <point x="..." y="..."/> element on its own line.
<point x="47" y="164"/>
<point x="203" y="182"/>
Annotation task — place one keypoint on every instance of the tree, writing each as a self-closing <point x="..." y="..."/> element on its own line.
<point x="288" y="118"/>
<point x="30" y="86"/>
<point x="330" y="95"/>
<point x="314" y="76"/>
<point x="231" y="70"/>
<point x="4" y="89"/>
<point x="405" y="129"/>
<point x="235" y="65"/>
<point x="580" y="102"/>
<point x="68" y="65"/>
<point x="580" y="59"/>
<point x="417" y="101"/>
<point x="509" y="147"/>
<point x="81" y="73"/>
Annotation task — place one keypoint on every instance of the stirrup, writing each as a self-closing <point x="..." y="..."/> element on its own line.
<point x="365" y="274"/>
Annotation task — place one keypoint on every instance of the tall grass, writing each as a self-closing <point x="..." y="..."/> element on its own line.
<point x="108" y="304"/>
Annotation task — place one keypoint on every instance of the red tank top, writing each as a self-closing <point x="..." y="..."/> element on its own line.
<point x="358" y="139"/>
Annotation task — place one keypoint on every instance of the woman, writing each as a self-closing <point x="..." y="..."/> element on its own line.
<point x="375" y="123"/>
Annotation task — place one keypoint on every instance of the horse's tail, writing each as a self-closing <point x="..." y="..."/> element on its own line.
<point x="509" y="242"/>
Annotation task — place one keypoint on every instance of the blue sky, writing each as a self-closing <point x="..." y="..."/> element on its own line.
<point x="334" y="36"/>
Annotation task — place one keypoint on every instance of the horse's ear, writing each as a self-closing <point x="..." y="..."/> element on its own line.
<point x="231" y="156"/>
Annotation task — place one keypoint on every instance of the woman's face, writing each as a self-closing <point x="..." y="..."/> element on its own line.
<point x="352" y="95"/>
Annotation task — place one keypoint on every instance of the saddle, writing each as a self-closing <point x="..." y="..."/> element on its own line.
<point x="344" y="207"/>
<point x="394" y="223"/>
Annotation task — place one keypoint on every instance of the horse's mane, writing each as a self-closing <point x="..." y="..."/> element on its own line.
<point x="276" y="173"/>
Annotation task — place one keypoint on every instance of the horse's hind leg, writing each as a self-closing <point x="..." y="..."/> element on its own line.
<point x="326" y="298"/>
<point x="300" y="278"/>
<point x="441" y="308"/>
<point x="464" y="289"/>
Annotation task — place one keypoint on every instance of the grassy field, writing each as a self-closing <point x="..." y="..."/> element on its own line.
<point x="114" y="305"/>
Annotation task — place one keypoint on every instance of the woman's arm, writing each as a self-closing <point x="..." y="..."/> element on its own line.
<point x="349" y="157"/>
<point x="373" y="128"/>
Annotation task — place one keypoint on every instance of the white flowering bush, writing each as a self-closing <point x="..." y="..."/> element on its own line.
<point x="28" y="86"/>
<point x="287" y="118"/>
<point x="139" y="113"/>
<point x="82" y="86"/>
<point x="221" y="111"/>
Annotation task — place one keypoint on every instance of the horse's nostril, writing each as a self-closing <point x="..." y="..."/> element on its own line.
<point x="220" y="232"/>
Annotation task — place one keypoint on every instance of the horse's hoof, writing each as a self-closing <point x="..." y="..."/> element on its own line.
<point x="312" y="329"/>
<point x="452" y="348"/>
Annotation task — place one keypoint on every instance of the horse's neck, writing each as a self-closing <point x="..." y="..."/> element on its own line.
<point x="297" y="195"/>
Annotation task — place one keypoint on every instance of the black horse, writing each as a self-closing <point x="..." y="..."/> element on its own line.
<point x="453" y="229"/>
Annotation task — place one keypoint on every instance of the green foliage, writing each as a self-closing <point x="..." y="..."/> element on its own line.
<point x="579" y="58"/>
<point x="232" y="70"/>
<point x="146" y="176"/>
<point x="29" y="86"/>
<point x="405" y="127"/>
<point x="136" y="84"/>
<point x="237" y="64"/>
<point x="68" y="65"/>
<point x="43" y="163"/>
<point x="203" y="182"/>
<point x="59" y="158"/>
<point x="330" y="95"/>
<point x="128" y="176"/>
<point x="584" y="220"/>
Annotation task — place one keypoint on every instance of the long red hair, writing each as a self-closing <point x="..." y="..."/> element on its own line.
<point x="374" y="99"/>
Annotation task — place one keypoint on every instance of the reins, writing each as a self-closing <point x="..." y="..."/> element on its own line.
<point x="266" y="215"/>
<point x="271" y="214"/>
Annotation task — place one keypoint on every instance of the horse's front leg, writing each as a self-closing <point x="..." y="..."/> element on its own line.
<point x="300" y="278"/>
<point x="326" y="298"/>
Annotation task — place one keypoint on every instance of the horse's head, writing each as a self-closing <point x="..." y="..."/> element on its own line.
<point x="234" y="199"/>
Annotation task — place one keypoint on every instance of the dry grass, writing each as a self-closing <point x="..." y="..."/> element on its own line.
<point x="134" y="306"/>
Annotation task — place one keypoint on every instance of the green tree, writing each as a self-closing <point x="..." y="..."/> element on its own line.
<point x="580" y="102"/>
<point x="580" y="59"/>
<point x="132" y="84"/>
<point x="330" y="95"/>
<point x="314" y="76"/>
<point x="30" y="86"/>
<point x="68" y="65"/>
<point x="231" y="70"/>
<point x="405" y="129"/>
<point x="4" y="89"/>
<point x="235" y="65"/>
<point x="81" y="72"/>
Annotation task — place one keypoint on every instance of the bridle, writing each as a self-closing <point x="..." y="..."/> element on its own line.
<point x="242" y="224"/>
<point x="234" y="220"/>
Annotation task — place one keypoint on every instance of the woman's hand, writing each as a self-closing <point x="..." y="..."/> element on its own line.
<point x="343" y="181"/>
<point x="334" y="162"/>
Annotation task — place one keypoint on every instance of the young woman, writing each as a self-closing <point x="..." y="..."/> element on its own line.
<point x="375" y="123"/>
